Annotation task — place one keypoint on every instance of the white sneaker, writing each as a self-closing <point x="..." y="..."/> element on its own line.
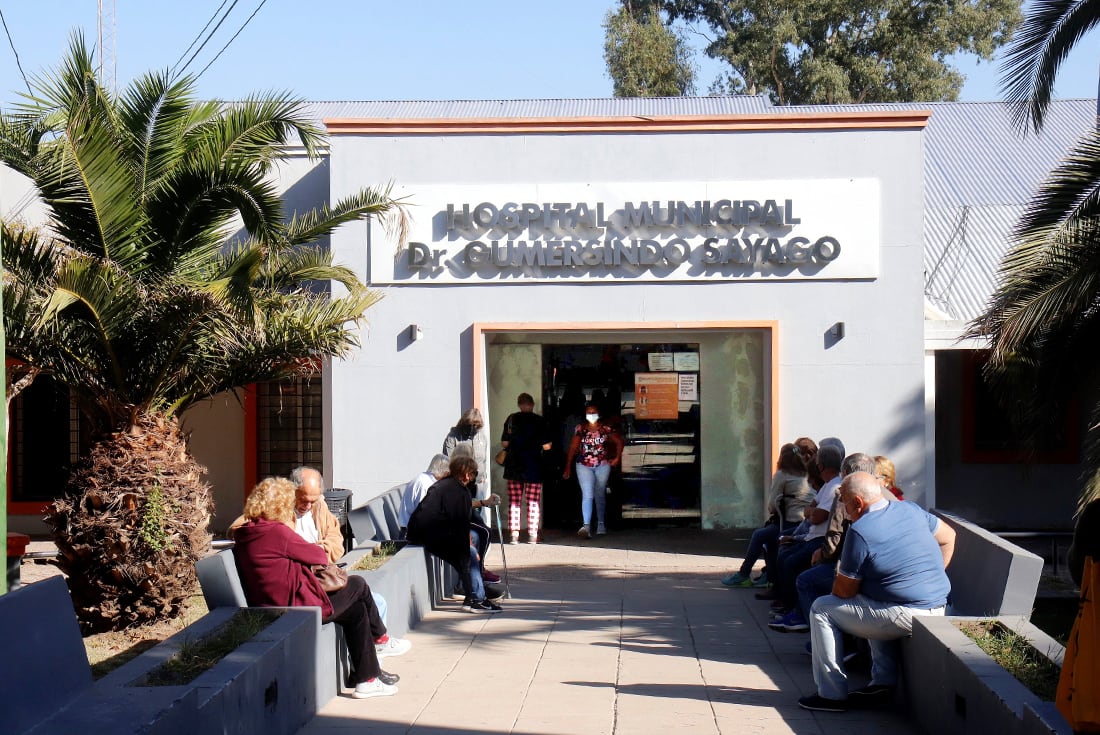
<point x="373" y="688"/>
<point x="515" y="538"/>
<point x="393" y="647"/>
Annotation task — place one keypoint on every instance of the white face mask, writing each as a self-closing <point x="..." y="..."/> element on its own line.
<point x="592" y="417"/>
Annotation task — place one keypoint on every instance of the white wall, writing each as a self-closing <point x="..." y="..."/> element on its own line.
<point x="394" y="400"/>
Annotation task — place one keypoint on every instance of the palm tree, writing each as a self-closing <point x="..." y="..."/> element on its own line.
<point x="1043" y="320"/>
<point x="140" y="299"/>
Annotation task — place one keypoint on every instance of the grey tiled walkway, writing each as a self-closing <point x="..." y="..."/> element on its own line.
<point x="602" y="637"/>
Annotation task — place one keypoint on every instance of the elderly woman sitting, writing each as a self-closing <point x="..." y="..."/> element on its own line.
<point x="276" y="569"/>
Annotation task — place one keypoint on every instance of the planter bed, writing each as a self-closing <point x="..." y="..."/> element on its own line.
<point x="954" y="687"/>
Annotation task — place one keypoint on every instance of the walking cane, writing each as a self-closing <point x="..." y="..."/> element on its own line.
<point x="503" y="556"/>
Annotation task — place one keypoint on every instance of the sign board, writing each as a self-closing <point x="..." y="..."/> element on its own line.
<point x="661" y="361"/>
<point x="685" y="362"/>
<point x="656" y="396"/>
<point x="689" y="386"/>
<point x="632" y="232"/>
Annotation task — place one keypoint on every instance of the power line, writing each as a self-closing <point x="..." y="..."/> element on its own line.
<point x="208" y="37"/>
<point x="12" y="44"/>
<point x="247" y="21"/>
<point x="172" y="71"/>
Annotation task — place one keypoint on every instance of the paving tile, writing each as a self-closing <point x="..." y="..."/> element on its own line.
<point x="600" y="638"/>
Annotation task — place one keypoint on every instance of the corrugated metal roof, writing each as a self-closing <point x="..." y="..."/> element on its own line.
<point x="980" y="171"/>
<point x="608" y="107"/>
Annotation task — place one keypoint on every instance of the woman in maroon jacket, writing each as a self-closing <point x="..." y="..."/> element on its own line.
<point x="275" y="566"/>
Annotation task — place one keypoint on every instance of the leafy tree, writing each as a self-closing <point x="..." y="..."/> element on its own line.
<point x="840" y="51"/>
<point x="646" y="58"/>
<point x="167" y="273"/>
<point x="1043" y="320"/>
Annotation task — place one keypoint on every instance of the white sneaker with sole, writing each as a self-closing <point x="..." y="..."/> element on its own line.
<point x="373" y="688"/>
<point x="393" y="647"/>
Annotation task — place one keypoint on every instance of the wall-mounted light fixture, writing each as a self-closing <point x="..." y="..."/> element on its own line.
<point x="837" y="330"/>
<point x="415" y="332"/>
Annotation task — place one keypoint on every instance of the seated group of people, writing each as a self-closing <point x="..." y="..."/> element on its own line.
<point x="444" y="517"/>
<point x="848" y="560"/>
<point x="285" y="532"/>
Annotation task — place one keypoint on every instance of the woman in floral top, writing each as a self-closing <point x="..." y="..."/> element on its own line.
<point x="597" y="448"/>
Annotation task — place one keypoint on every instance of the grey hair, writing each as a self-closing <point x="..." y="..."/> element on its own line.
<point x="298" y="475"/>
<point x="439" y="466"/>
<point x="858" y="462"/>
<point x="832" y="441"/>
<point x="863" y="485"/>
<point x="829" y="457"/>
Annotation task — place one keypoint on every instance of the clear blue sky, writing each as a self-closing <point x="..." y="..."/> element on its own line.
<point x="382" y="49"/>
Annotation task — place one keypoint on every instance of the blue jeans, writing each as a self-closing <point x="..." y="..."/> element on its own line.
<point x="764" y="540"/>
<point x="815" y="582"/>
<point x="476" y="589"/>
<point x="881" y="623"/>
<point x="593" y="482"/>
<point x="793" y="560"/>
<point x="380" y="603"/>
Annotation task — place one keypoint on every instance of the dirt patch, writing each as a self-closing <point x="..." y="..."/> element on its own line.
<point x="108" y="651"/>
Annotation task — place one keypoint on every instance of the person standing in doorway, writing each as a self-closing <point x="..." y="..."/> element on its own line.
<point x="524" y="439"/>
<point x="597" y="448"/>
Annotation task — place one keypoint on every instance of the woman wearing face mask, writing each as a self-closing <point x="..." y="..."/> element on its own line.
<point x="596" y="448"/>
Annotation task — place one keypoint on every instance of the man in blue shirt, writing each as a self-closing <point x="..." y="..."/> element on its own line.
<point x="891" y="569"/>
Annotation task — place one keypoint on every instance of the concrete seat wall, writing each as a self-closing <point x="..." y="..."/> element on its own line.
<point x="989" y="576"/>
<point x="45" y="663"/>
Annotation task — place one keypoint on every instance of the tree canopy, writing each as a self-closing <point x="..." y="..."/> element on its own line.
<point x="840" y="51"/>
<point x="646" y="58"/>
<point x="168" y="270"/>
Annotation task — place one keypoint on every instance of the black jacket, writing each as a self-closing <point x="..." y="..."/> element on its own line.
<point x="441" y="523"/>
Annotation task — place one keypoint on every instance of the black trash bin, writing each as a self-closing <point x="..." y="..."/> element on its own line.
<point x="338" y="501"/>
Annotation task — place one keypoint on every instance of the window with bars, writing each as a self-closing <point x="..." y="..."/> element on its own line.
<point x="289" y="430"/>
<point x="46" y="437"/>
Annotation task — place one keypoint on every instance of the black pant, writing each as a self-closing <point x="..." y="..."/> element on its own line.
<point x="353" y="609"/>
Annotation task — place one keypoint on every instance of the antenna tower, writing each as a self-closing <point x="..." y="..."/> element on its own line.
<point x="108" y="67"/>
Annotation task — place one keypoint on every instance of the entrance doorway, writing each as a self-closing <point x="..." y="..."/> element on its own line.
<point x="651" y="393"/>
<point x="686" y="462"/>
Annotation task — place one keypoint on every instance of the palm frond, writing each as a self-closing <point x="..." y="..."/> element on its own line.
<point x="1049" y="32"/>
<point x="1070" y="193"/>
<point x="378" y="202"/>
<point x="293" y="269"/>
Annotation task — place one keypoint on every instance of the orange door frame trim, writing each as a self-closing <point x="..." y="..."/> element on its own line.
<point x="482" y="330"/>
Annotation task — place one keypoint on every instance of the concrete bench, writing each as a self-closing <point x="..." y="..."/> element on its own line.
<point x="383" y="516"/>
<point x="989" y="575"/>
<point x="221" y="587"/>
<point x="264" y="686"/>
<point x="412" y="582"/>
<point x="45" y="665"/>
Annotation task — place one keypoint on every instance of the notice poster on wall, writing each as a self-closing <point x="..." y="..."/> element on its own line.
<point x="656" y="396"/>
<point x="660" y="361"/>
<point x="685" y="362"/>
<point x="689" y="386"/>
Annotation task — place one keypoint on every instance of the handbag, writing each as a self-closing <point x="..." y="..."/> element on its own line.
<point x="502" y="457"/>
<point x="331" y="576"/>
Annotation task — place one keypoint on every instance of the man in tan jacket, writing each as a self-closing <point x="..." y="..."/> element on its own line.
<point x="313" y="521"/>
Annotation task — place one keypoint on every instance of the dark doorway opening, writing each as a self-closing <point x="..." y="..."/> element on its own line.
<point x="650" y="392"/>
